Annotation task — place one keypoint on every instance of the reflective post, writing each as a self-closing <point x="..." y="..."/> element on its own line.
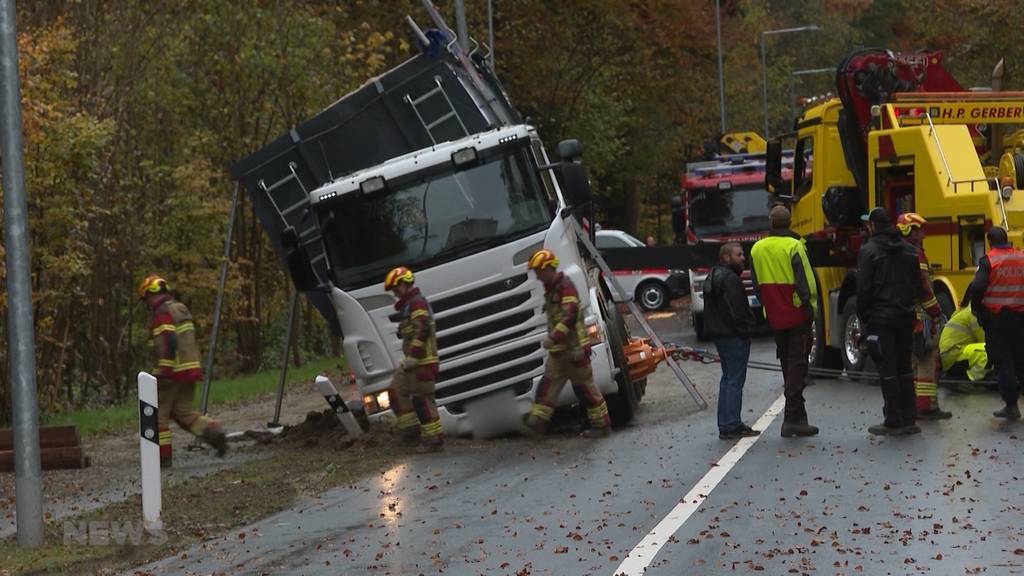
<point x="20" y="329"/>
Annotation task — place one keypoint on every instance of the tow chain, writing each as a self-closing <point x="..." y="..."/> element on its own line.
<point x="704" y="356"/>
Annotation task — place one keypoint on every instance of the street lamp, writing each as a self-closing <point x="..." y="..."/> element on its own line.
<point x="798" y="73"/>
<point x="764" y="64"/>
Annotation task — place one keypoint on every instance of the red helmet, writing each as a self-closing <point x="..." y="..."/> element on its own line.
<point x="541" y="259"/>
<point x="908" y="221"/>
<point x="399" y="274"/>
<point x="152" y="284"/>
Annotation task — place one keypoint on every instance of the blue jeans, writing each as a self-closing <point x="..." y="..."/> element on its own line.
<point x="734" y="352"/>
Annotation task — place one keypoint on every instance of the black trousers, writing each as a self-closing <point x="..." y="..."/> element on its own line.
<point x="891" y="346"/>
<point x="1004" y="343"/>
<point x="792" y="347"/>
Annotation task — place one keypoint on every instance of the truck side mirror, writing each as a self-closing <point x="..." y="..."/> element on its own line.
<point x="299" y="266"/>
<point x="576" y="186"/>
<point x="773" y="167"/>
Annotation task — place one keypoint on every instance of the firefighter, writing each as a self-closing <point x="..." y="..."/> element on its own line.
<point x="568" y="349"/>
<point x="925" y="358"/>
<point x="888" y="293"/>
<point x="785" y="284"/>
<point x="997" y="297"/>
<point x="412" y="387"/>
<point x="962" y="347"/>
<point x="177" y="369"/>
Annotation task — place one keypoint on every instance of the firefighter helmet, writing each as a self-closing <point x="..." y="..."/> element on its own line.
<point x="399" y="274"/>
<point x="152" y="284"/>
<point x="541" y="259"/>
<point x="908" y="221"/>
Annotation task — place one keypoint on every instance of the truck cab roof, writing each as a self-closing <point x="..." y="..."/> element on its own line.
<point x="420" y="160"/>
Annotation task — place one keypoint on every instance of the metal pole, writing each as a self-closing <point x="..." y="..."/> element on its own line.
<point x="490" y="31"/>
<point x="721" y="70"/>
<point x="211" y="353"/>
<point x="460" y="24"/>
<point x="284" y="359"/>
<point x="764" y="86"/>
<point x="20" y="328"/>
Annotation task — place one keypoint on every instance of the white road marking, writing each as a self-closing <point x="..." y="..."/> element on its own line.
<point x="641" y="556"/>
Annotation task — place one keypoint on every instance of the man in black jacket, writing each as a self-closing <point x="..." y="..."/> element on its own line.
<point x="729" y="322"/>
<point x="888" y="291"/>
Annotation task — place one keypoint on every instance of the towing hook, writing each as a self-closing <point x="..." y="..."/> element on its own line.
<point x="643" y="358"/>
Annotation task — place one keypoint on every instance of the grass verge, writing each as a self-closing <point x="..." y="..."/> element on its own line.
<point x="203" y="508"/>
<point x="124" y="416"/>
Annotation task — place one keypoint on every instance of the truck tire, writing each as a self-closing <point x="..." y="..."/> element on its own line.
<point x="652" y="295"/>
<point x="945" y="303"/>
<point x="854" y="360"/>
<point x="621" y="405"/>
<point x="698" y="326"/>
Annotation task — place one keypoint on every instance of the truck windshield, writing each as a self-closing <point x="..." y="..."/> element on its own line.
<point x="436" y="220"/>
<point x="743" y="209"/>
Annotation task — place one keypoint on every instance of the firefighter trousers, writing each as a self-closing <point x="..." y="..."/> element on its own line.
<point x="557" y="371"/>
<point x="926" y="371"/>
<point x="412" y="399"/>
<point x="175" y="402"/>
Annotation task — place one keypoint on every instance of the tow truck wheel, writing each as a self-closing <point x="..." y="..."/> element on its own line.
<point x="621" y="405"/>
<point x="652" y="295"/>
<point x="854" y="360"/>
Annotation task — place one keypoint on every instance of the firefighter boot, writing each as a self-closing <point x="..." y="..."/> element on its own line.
<point x="534" y="426"/>
<point x="598" y="432"/>
<point x="1010" y="412"/>
<point x="933" y="412"/>
<point x="216" y="438"/>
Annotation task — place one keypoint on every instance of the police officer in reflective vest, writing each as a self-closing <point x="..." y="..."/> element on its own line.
<point x="785" y="284"/>
<point x="177" y="370"/>
<point x="568" y="349"/>
<point x="926" y="330"/>
<point x="413" y="384"/>
<point x="998" y="299"/>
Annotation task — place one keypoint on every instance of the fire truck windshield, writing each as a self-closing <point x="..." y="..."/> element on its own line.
<point x="716" y="212"/>
<point x="435" y="220"/>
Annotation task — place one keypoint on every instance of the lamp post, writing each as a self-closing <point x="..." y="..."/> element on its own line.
<point x="764" y="64"/>
<point x="807" y="72"/>
<point x="721" y="73"/>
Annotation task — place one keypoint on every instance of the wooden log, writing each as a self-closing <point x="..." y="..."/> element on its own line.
<point x="64" y="458"/>
<point x="49" y="437"/>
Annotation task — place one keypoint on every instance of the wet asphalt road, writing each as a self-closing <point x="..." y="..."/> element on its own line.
<point x="950" y="501"/>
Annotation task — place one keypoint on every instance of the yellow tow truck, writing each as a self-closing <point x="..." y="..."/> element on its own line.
<point x="925" y="153"/>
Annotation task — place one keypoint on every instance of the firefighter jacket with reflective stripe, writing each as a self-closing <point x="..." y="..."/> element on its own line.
<point x="416" y="328"/>
<point x="961" y="330"/>
<point x="784" y="280"/>
<point x="565" y="318"/>
<point x="1005" y="280"/>
<point x="174" y="334"/>
<point x="928" y="301"/>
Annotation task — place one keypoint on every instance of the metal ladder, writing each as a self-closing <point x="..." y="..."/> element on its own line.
<point x="298" y="215"/>
<point x="447" y="112"/>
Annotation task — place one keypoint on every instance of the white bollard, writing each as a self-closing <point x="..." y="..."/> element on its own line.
<point x="149" y="446"/>
<point x="348" y="420"/>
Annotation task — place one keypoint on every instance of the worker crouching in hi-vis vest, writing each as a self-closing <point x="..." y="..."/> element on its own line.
<point x="926" y="330"/>
<point x="962" y="347"/>
<point x="413" y="385"/>
<point x="177" y="369"/>
<point x="568" y="352"/>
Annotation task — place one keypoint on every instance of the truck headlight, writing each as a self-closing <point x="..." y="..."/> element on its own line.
<point x="376" y="402"/>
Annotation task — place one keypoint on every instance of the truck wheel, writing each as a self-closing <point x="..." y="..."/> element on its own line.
<point x="698" y="326"/>
<point x="854" y="360"/>
<point x="621" y="405"/>
<point x="945" y="303"/>
<point x="652" y="295"/>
